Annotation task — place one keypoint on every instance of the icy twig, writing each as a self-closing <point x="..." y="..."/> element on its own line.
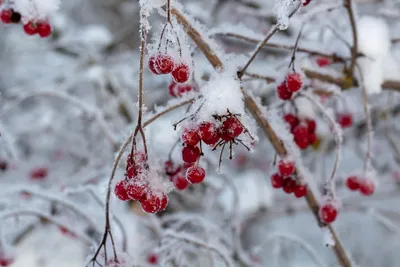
<point x="349" y="7"/>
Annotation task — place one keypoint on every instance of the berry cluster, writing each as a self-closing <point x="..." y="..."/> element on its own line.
<point x="366" y="186"/>
<point x="328" y="212"/>
<point x="177" y="174"/>
<point x="302" y="130"/>
<point x="135" y="185"/>
<point x="179" y="89"/>
<point x="41" y="27"/>
<point x="283" y="179"/>
<point x="163" y="63"/>
<point x="344" y="119"/>
<point x="291" y="84"/>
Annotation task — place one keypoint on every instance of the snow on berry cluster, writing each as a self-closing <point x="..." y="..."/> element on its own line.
<point x="290" y="85"/>
<point x="33" y="14"/>
<point x="142" y="184"/>
<point x="284" y="179"/>
<point x="303" y="130"/>
<point x="366" y="186"/>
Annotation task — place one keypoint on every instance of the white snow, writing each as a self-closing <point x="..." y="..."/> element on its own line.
<point x="36" y="9"/>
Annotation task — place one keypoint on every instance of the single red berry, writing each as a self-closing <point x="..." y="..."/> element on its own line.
<point x="283" y="92"/>
<point x="328" y="213"/>
<point x="291" y="120"/>
<point x="39" y="173"/>
<point x="180" y="181"/>
<point x="232" y="127"/>
<point x="164" y="202"/>
<point x="5" y="16"/>
<point x="120" y="191"/>
<point x="312" y="138"/>
<point x="322" y="61"/>
<point x="190" y="154"/>
<point x="286" y="167"/>
<point x="302" y="143"/>
<point x="136" y="189"/>
<point x="367" y="187"/>
<point x="289" y="185"/>
<point x="190" y="137"/>
<point x="30" y="28"/>
<point x="195" y="174"/>
<point x="3" y="165"/>
<point x="164" y="63"/>
<point x="277" y="180"/>
<point x="293" y="82"/>
<point x="208" y="133"/>
<point x="306" y="2"/>
<point x="301" y="135"/>
<point x="178" y="89"/>
<point x="131" y="173"/>
<point x="5" y="261"/>
<point x="152" y="65"/>
<point x="44" y="29"/>
<point x="181" y="73"/>
<point x="152" y="258"/>
<point x="300" y="191"/>
<point x="312" y="125"/>
<point x="353" y="183"/>
<point x="345" y="120"/>
<point x="15" y="17"/>
<point x="152" y="202"/>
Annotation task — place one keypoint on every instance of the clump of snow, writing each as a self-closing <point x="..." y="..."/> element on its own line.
<point x="305" y="108"/>
<point x="35" y="9"/>
<point x="328" y="238"/>
<point x="282" y="11"/>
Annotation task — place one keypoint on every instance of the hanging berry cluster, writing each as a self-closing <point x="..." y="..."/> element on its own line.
<point x="365" y="186"/>
<point x="290" y="85"/>
<point x="303" y="130"/>
<point x="283" y="179"/>
<point x="40" y="27"/>
<point x="136" y="186"/>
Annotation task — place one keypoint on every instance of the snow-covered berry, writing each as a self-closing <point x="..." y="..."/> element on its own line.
<point x="164" y="63"/>
<point x="136" y="189"/>
<point x="276" y="180"/>
<point x="286" y="167"/>
<point x="293" y="82"/>
<point x="328" y="212"/>
<point x="283" y="92"/>
<point x="120" y="191"/>
<point x="289" y="185"/>
<point x="300" y="191"/>
<point x="190" y="154"/>
<point x="181" y="73"/>
<point x="195" y="174"/>
<point x="353" y="183"/>
<point x="190" y="137"/>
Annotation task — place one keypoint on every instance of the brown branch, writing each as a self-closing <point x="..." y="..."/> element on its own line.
<point x="349" y="7"/>
<point x="259" y="116"/>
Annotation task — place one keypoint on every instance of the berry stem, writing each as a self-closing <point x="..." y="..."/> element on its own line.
<point x="349" y="7"/>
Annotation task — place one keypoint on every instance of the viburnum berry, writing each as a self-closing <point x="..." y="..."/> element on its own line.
<point x="306" y="2"/>
<point x="3" y="165"/>
<point x="178" y="89"/>
<point x="208" y="133"/>
<point x="30" y="28"/>
<point x="293" y="82"/>
<point x="120" y="191"/>
<point x="39" y="173"/>
<point x="136" y="189"/>
<point x="283" y="92"/>
<point x="5" y="261"/>
<point x="164" y="63"/>
<point x="367" y="187"/>
<point x="152" y="201"/>
<point x="152" y="65"/>
<point x="164" y="202"/>
<point x="139" y="157"/>
<point x="353" y="183"/>
<point x="152" y="258"/>
<point x="180" y="181"/>
<point x="300" y="191"/>
<point x="301" y="135"/>
<point x="5" y="16"/>
<point x="328" y="213"/>
<point x="291" y="120"/>
<point x="345" y="120"/>
<point x="232" y="127"/>
<point x="195" y="174"/>
<point x="312" y="125"/>
<point x="322" y="61"/>
<point x="276" y="180"/>
<point x="181" y="73"/>
<point x="15" y="17"/>
<point x="190" y="154"/>
<point x="190" y="137"/>
<point x="286" y="167"/>
<point x="289" y="185"/>
<point x="312" y="138"/>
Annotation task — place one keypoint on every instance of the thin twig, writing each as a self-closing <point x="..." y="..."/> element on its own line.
<point x="349" y="7"/>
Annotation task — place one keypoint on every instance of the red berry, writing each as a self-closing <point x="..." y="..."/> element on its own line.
<point x="283" y="92"/>
<point x="190" y="137"/>
<point x="120" y="191"/>
<point x="302" y="143"/>
<point x="276" y="180"/>
<point x="190" y="154"/>
<point x="293" y="82"/>
<point x="291" y="120"/>
<point x="195" y="174"/>
<point x="30" y="28"/>
<point x="136" y="189"/>
<point x="152" y="202"/>
<point x="306" y="2"/>
<point x="208" y="133"/>
<point x="5" y="16"/>
<point x="301" y="136"/>
<point x="328" y="213"/>
<point x="164" y="63"/>
<point x="345" y="120"/>
<point x="152" y="258"/>
<point x="164" y="202"/>
<point x="178" y="89"/>
<point x="44" y="29"/>
<point x="181" y="73"/>
<point x="367" y="187"/>
<point x="300" y="191"/>
<point x="39" y="173"/>
<point x="139" y="157"/>
<point x="312" y="138"/>
<point x="312" y="125"/>
<point x="180" y="181"/>
<point x="289" y="185"/>
<point x="353" y="183"/>
<point x="5" y="261"/>
<point x="152" y="65"/>
<point x="170" y="169"/>
<point x="286" y="167"/>
<point x="232" y="127"/>
<point x="322" y="61"/>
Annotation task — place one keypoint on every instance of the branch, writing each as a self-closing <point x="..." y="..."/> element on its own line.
<point x="349" y="7"/>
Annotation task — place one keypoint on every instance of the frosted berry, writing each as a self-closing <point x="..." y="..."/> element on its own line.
<point x="291" y="120"/>
<point x="139" y="157"/>
<point x="190" y="154"/>
<point x="15" y="17"/>
<point x="190" y="137"/>
<point x="353" y="183"/>
<point x="283" y="92"/>
<point x="152" y="258"/>
<point x="39" y="173"/>
<point x="289" y="185"/>
<point x="152" y="202"/>
<point x="178" y="89"/>
<point x="180" y="181"/>
<point x="195" y="174"/>
<point x="136" y="189"/>
<point x="164" y="202"/>
<point x="232" y="127"/>
<point x="300" y="191"/>
<point x="328" y="213"/>
<point x="5" y="16"/>
<point x="345" y="120"/>
<point x="208" y="133"/>
<point x="286" y="167"/>
<point x="164" y="63"/>
<point x="293" y="82"/>
<point x="276" y="180"/>
<point x="301" y="136"/>
<point x="181" y="73"/>
<point x="312" y="138"/>
<point x="120" y="191"/>
<point x="30" y="28"/>
<point x="322" y="61"/>
<point x="152" y="65"/>
<point x="312" y="125"/>
<point x="367" y="187"/>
